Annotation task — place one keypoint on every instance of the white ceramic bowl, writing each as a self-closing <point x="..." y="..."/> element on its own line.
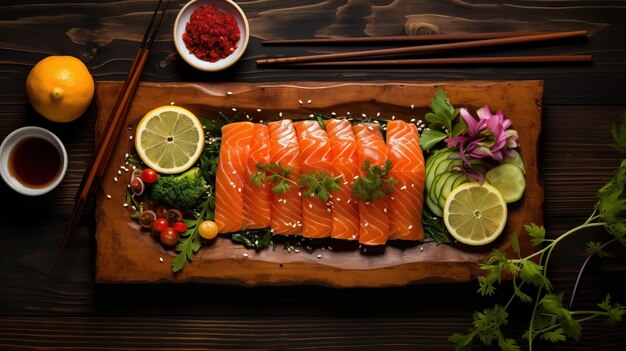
<point x="9" y="143"/>
<point x="226" y="6"/>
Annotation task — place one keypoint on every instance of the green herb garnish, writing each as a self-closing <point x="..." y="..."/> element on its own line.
<point x="319" y="184"/>
<point x="257" y="239"/>
<point x="375" y="184"/>
<point x="276" y="174"/>
<point x="190" y="242"/>
<point x="440" y="122"/>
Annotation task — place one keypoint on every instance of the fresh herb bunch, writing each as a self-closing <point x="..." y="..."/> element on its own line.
<point x="319" y="184"/>
<point x="440" y="121"/>
<point x="550" y="319"/>
<point x="190" y="241"/>
<point x="375" y="184"/>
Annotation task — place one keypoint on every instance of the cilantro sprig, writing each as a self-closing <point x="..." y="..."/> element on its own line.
<point x="375" y="184"/>
<point x="314" y="183"/>
<point x="550" y="320"/>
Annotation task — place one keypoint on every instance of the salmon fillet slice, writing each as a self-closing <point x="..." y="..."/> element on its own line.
<point x="344" y="160"/>
<point x="314" y="156"/>
<point x="286" y="208"/>
<point x="405" y="206"/>
<point x="373" y="217"/>
<point x="256" y="200"/>
<point x="230" y="176"/>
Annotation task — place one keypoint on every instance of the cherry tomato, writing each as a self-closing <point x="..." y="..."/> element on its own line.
<point x="149" y="176"/>
<point x="180" y="227"/>
<point x="207" y="229"/>
<point x="173" y="215"/>
<point x="137" y="185"/>
<point x="159" y="224"/>
<point x="161" y="211"/>
<point x="169" y="237"/>
<point x="147" y="218"/>
<point x="149" y="204"/>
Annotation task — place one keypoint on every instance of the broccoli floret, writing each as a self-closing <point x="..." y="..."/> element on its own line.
<point x="181" y="191"/>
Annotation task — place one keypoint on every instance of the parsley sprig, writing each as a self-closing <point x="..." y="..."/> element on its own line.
<point x="314" y="183"/>
<point x="550" y="320"/>
<point x="375" y="184"/>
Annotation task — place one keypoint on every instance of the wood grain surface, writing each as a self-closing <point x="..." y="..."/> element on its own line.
<point x="127" y="254"/>
<point x="67" y="310"/>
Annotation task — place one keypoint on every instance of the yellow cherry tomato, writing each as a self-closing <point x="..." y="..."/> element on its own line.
<point x="207" y="229"/>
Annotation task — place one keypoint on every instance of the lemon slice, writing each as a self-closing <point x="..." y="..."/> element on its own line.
<point x="475" y="214"/>
<point x="169" y="139"/>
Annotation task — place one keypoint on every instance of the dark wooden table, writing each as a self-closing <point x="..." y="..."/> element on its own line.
<point x="68" y="310"/>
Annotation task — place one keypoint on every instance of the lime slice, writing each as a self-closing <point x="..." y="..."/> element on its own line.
<point x="509" y="180"/>
<point x="475" y="214"/>
<point x="169" y="139"/>
<point x="515" y="160"/>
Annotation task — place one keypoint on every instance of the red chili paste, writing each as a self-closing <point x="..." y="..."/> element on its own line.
<point x="211" y="34"/>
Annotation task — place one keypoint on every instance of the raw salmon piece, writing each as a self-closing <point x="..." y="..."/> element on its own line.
<point x="374" y="220"/>
<point x="286" y="208"/>
<point x="314" y="156"/>
<point x="230" y="177"/>
<point x="256" y="200"/>
<point x="405" y="206"/>
<point x="345" y="212"/>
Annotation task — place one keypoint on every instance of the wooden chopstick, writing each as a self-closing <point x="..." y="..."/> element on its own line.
<point x="398" y="38"/>
<point x="445" y="61"/>
<point x="426" y="48"/>
<point x="95" y="170"/>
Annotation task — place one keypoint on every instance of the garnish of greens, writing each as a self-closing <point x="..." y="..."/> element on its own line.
<point x="375" y="184"/>
<point x="551" y="320"/>
<point x="319" y="184"/>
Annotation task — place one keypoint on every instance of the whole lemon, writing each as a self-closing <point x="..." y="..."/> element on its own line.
<point x="60" y="88"/>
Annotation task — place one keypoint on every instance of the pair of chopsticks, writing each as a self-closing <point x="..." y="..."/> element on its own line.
<point x="462" y="41"/>
<point x="95" y="170"/>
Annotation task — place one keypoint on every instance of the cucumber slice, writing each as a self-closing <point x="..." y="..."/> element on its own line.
<point x="448" y="185"/>
<point x="435" y="209"/>
<point x="433" y="163"/>
<point x="509" y="180"/>
<point x="435" y="191"/>
<point x="515" y="160"/>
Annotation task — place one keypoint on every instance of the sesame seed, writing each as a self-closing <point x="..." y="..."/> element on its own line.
<point x="403" y="187"/>
<point x="349" y="200"/>
<point x="133" y="208"/>
<point x="421" y="248"/>
<point x="328" y="210"/>
<point x="119" y="172"/>
<point x="413" y="185"/>
<point x="229" y="93"/>
<point x="311" y="115"/>
<point x="239" y="190"/>
<point x="345" y="183"/>
<point x="377" y="114"/>
<point x="258" y="110"/>
<point x="333" y="114"/>
<point x="300" y="102"/>
<point x="130" y="137"/>
<point x="280" y="114"/>
<point x="231" y="183"/>
<point x="366" y="224"/>
<point x="412" y="119"/>
<point x="370" y="128"/>
<point x="330" y="248"/>
<point x="234" y="109"/>
<point x="338" y="199"/>
<point x="289" y="249"/>
<point x="115" y="179"/>
<point x="319" y="256"/>
<point x="126" y="155"/>
<point x="367" y="203"/>
<point x="412" y="107"/>
<point x="353" y="236"/>
<point x="310" y="205"/>
<point x="385" y="209"/>
<point x="125" y="205"/>
<point x="126" y="169"/>
<point x="134" y="167"/>
<point x="348" y="113"/>
<point x="411" y="226"/>
<point x="323" y="249"/>
<point x="261" y="121"/>
<point x="308" y="102"/>
<point x="356" y="177"/>
<point x="161" y="259"/>
<point x="245" y="254"/>
<point x="363" y="115"/>
<point x="296" y="250"/>
<point x="393" y="117"/>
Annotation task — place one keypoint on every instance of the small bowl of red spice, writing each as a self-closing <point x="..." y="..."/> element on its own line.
<point x="211" y="35"/>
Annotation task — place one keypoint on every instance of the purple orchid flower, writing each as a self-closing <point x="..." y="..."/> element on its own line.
<point x="488" y="136"/>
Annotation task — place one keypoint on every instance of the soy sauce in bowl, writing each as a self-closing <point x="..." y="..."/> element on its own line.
<point x="35" y="162"/>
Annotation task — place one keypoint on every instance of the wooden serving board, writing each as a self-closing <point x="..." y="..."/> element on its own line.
<point x="125" y="253"/>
